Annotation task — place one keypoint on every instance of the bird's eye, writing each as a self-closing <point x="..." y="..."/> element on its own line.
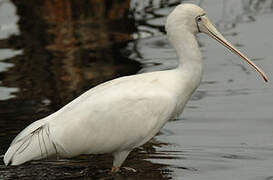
<point x="198" y="18"/>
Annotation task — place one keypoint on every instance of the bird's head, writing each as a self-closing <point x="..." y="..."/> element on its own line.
<point x="190" y="19"/>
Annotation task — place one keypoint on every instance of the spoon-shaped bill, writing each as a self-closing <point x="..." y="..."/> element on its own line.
<point x="213" y="32"/>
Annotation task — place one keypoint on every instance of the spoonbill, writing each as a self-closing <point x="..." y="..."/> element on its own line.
<point x="119" y="115"/>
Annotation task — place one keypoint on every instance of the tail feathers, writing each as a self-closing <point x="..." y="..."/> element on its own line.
<point x="29" y="129"/>
<point x="37" y="144"/>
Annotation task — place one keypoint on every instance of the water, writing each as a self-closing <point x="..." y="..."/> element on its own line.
<point x="225" y="131"/>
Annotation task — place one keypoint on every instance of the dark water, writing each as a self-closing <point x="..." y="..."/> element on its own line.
<point x="52" y="51"/>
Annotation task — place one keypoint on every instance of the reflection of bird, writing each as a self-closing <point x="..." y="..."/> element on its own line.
<point x="119" y="115"/>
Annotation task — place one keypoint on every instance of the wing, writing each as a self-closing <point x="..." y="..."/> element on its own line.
<point x="119" y="114"/>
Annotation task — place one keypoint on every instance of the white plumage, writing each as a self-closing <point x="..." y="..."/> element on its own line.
<point x="119" y="115"/>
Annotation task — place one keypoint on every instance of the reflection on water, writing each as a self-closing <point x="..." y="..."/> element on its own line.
<point x="234" y="12"/>
<point x="8" y="27"/>
<point x="71" y="46"/>
<point x="8" y="19"/>
<point x="49" y="60"/>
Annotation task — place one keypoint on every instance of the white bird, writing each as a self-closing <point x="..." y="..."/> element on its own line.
<point x="119" y="115"/>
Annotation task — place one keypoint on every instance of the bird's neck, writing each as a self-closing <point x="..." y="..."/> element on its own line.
<point x="188" y="52"/>
<point x="190" y="66"/>
<point x="187" y="48"/>
<point x="188" y="74"/>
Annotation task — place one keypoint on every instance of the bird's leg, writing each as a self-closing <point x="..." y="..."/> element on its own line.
<point x="119" y="158"/>
<point x="115" y="169"/>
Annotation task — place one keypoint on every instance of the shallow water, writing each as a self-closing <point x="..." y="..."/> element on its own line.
<point x="226" y="129"/>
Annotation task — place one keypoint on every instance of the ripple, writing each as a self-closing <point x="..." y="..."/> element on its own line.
<point x="234" y="156"/>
